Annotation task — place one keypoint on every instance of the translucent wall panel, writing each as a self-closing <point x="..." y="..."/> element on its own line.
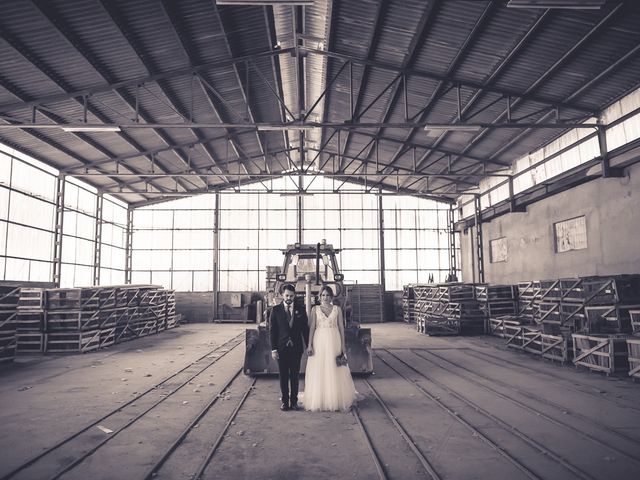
<point x="253" y="230"/>
<point x="416" y="240"/>
<point x="27" y="217"/>
<point x="172" y="244"/>
<point x="113" y="247"/>
<point x="175" y="245"/>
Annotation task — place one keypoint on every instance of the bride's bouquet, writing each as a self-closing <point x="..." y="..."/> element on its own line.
<point x="341" y="360"/>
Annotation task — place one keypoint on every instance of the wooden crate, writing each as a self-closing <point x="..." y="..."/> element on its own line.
<point x="9" y="296"/>
<point x="107" y="336"/>
<point x="30" y="320"/>
<point x="612" y="290"/>
<point x="71" y="320"/>
<point x="173" y="321"/>
<point x="31" y="299"/>
<point x="609" y="318"/>
<point x="442" y="326"/>
<point x="634" y="316"/>
<point x="603" y="353"/>
<point x="495" y="308"/>
<point x="8" y="342"/>
<point x="633" y="349"/>
<point x="72" y="342"/>
<point x="29" y="342"/>
<point x="8" y="320"/>
<point x="556" y="347"/>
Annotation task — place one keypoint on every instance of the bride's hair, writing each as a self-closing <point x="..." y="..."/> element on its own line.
<point x="327" y="289"/>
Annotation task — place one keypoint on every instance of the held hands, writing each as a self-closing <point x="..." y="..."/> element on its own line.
<point x="274" y="355"/>
<point x="310" y="351"/>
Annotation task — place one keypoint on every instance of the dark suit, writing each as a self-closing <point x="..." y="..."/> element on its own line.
<point x="290" y="343"/>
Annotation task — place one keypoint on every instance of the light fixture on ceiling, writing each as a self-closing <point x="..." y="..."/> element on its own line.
<point x="296" y="194"/>
<point x="570" y="4"/>
<point x="264" y="2"/>
<point x="285" y="127"/>
<point x="91" y="128"/>
<point x="453" y="127"/>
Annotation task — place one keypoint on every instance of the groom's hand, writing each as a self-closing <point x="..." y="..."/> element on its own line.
<point x="274" y="354"/>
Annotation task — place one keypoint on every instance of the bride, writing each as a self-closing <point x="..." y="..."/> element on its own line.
<point x="328" y="387"/>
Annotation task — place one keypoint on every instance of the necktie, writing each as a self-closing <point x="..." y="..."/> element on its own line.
<point x="290" y="316"/>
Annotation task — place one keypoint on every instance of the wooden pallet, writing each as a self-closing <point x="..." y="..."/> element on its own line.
<point x="603" y="353"/>
<point x="9" y="296"/>
<point x="367" y="303"/>
<point x="31" y="299"/>
<point x="633" y="349"/>
<point x="71" y="320"/>
<point x="533" y="340"/>
<point x="29" y="342"/>
<point x="634" y="316"/>
<point x="30" y="320"/>
<point x="496" y="325"/>
<point x="72" y="342"/>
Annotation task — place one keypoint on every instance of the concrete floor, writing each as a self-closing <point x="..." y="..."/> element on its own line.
<point x="461" y="408"/>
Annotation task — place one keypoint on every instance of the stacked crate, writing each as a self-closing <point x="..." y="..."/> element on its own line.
<point x="84" y="319"/>
<point x="30" y="321"/>
<point x="450" y="309"/>
<point x="9" y="296"/>
<point x="633" y="344"/>
<point x="528" y="300"/>
<point x="497" y="300"/>
<point x="72" y="320"/>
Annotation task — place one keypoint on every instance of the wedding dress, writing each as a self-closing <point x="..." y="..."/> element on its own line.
<point x="327" y="387"/>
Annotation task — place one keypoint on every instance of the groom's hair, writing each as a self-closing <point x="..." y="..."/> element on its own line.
<point x="289" y="287"/>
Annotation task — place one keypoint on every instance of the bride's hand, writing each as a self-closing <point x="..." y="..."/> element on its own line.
<point x="310" y="351"/>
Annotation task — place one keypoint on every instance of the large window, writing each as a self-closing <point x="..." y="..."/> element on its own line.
<point x="27" y="226"/>
<point x="27" y="217"/>
<point x="416" y="241"/>
<point x="114" y="238"/>
<point x="173" y="244"/>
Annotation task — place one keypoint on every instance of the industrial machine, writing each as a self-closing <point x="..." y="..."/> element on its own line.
<point x="308" y="267"/>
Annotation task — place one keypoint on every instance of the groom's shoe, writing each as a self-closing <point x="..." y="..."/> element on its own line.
<point x="295" y="406"/>
<point x="284" y="407"/>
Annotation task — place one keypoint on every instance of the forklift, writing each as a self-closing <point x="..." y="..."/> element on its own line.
<point x="308" y="268"/>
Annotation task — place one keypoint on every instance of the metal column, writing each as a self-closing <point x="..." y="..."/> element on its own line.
<point x="381" y="250"/>
<point x="453" y="264"/>
<point x="129" y="241"/>
<point x="479" y="247"/>
<point x="57" y="235"/>
<point x="299" y="218"/>
<point x="97" y="247"/>
<point x="216" y="252"/>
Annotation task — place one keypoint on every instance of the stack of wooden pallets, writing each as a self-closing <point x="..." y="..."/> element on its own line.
<point x="30" y="321"/>
<point x="633" y="344"/>
<point x="528" y="300"/>
<point x="8" y="311"/>
<point x="408" y="304"/>
<point x="497" y="300"/>
<point x="58" y="320"/>
<point x="448" y="309"/>
<point x="367" y="303"/>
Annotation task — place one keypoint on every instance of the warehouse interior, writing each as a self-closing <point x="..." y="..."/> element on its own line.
<point x="462" y="172"/>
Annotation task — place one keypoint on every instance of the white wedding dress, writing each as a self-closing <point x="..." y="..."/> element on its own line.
<point x="327" y="387"/>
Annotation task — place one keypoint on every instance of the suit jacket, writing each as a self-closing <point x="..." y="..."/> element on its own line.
<point x="280" y="332"/>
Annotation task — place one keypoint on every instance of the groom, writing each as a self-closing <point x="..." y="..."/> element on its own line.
<point x="289" y="333"/>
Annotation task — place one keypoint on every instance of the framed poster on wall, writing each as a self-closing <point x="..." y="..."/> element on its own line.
<point x="498" y="250"/>
<point x="570" y="234"/>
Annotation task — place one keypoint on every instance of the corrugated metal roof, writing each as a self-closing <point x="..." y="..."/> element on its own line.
<point x="399" y="62"/>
